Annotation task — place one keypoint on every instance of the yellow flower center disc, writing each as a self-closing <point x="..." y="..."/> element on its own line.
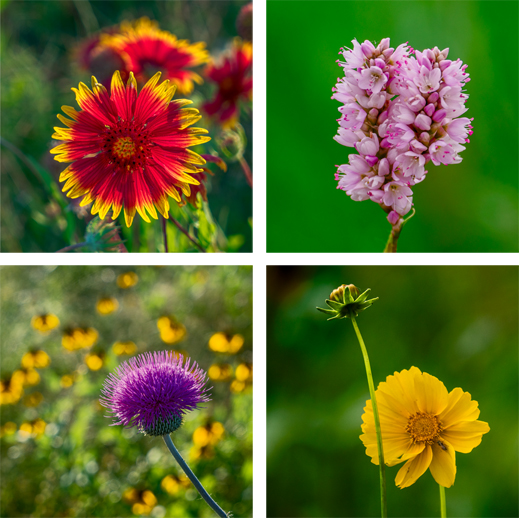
<point x="124" y="148"/>
<point x="423" y="427"/>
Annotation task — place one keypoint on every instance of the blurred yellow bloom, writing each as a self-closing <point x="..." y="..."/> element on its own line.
<point x="25" y="377"/>
<point x="127" y="280"/>
<point x="107" y="305"/>
<point x="220" y="372"/>
<point x="211" y="433"/>
<point x="244" y="372"/>
<point x="237" y="386"/>
<point x="223" y="343"/>
<point x="173" y="484"/>
<point x="11" y="390"/>
<point x="45" y="323"/>
<point x="33" y="400"/>
<point x="35" y="359"/>
<point x="171" y="331"/>
<point x="9" y="428"/>
<point x="94" y="361"/>
<point x="79" y="338"/>
<point x="120" y="348"/>
<point x="66" y="381"/>
<point x="143" y="502"/>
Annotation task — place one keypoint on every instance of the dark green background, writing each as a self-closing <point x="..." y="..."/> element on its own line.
<point x="469" y="207"/>
<point x="458" y="323"/>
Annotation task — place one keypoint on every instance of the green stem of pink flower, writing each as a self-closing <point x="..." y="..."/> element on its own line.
<point x="443" y="504"/>
<point x="187" y="470"/>
<point x="382" y="466"/>
<point x="392" y="242"/>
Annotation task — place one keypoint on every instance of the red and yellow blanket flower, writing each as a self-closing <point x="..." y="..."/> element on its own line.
<point x="145" y="49"/>
<point x="422" y="425"/>
<point x="232" y="74"/>
<point x="129" y="150"/>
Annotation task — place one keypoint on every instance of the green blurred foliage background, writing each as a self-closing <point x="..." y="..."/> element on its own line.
<point x="469" y="207"/>
<point x="458" y="323"/>
<point x="38" y="42"/>
<point x="81" y="466"/>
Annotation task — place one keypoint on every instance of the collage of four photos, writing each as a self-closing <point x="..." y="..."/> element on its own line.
<point x="386" y="385"/>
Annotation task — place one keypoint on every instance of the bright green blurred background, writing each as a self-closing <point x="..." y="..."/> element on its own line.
<point x="458" y="323"/>
<point x="38" y="42"/>
<point x="82" y="466"/>
<point x="469" y="207"/>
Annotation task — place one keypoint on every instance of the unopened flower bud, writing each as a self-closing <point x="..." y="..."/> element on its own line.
<point x="345" y="302"/>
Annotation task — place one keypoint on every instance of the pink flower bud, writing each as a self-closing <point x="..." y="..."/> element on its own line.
<point x="440" y="115"/>
<point x="393" y="217"/>
<point x="433" y="97"/>
<point x="429" y="109"/>
<point x="423" y="122"/>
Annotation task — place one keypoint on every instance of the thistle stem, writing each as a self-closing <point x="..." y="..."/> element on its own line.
<point x="246" y="170"/>
<point x="187" y="470"/>
<point x="165" y="235"/>
<point x="392" y="241"/>
<point x="382" y="466"/>
<point x="443" y="505"/>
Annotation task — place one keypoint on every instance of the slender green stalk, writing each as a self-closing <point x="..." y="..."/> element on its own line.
<point x="165" y="235"/>
<point x="443" y="504"/>
<point x="187" y="470"/>
<point x="382" y="466"/>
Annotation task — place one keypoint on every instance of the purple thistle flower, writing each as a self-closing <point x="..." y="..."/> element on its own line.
<point x="153" y="391"/>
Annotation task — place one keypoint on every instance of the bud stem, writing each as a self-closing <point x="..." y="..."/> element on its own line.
<point x="187" y="470"/>
<point x="382" y="466"/>
<point x="443" y="504"/>
<point x="395" y="234"/>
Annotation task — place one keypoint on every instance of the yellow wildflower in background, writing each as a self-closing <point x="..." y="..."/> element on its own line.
<point x="45" y="323"/>
<point x="35" y="359"/>
<point x="94" y="361"/>
<point x="79" y="338"/>
<point x="11" y="390"/>
<point x="173" y="484"/>
<point x="107" y="305"/>
<point x="127" y="280"/>
<point x="33" y="400"/>
<point x="243" y="378"/>
<point x="220" y="372"/>
<point x="120" y="348"/>
<point x="171" y="331"/>
<point x="223" y="343"/>
<point x="422" y="424"/>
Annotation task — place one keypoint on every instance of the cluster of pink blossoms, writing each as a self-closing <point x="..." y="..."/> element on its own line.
<point x="399" y="112"/>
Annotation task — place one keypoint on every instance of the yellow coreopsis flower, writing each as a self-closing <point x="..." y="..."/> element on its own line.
<point x="422" y="424"/>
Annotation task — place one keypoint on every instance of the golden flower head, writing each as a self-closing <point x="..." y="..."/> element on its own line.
<point x="220" y="372"/>
<point x="94" y="361"/>
<point x="171" y="331"/>
<point x="107" y="305"/>
<point x="225" y="343"/>
<point x="422" y="425"/>
<point x="79" y="338"/>
<point x="35" y="359"/>
<point x="127" y="280"/>
<point x="120" y="348"/>
<point x="345" y="302"/>
<point x="45" y="323"/>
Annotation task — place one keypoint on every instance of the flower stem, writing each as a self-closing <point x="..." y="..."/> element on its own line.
<point x="443" y="504"/>
<point x="165" y="235"/>
<point x="382" y="466"/>
<point x="187" y="470"/>
<point x="186" y="233"/>
<point x="246" y="170"/>
<point x="392" y="242"/>
<point x="70" y="248"/>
